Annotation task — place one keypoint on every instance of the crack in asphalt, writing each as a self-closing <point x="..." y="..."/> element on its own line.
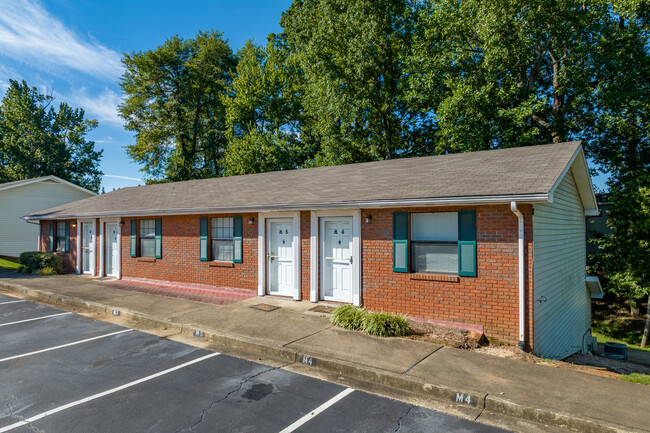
<point x="216" y="402"/>
<point x="21" y="418"/>
<point x="399" y="421"/>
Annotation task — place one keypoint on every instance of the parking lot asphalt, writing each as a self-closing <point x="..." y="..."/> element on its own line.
<point x="63" y="372"/>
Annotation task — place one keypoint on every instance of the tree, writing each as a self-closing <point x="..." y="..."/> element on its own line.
<point x="355" y="82"/>
<point x="265" y="124"/>
<point x="37" y="140"/>
<point x="173" y="104"/>
<point x="619" y="127"/>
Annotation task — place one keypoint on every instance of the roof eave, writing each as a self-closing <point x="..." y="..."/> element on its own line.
<point x="370" y="204"/>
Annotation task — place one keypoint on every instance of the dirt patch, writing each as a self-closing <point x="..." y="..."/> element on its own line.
<point x="445" y="335"/>
<point x="589" y="364"/>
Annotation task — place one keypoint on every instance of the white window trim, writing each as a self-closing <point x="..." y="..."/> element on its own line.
<point x="93" y="268"/>
<point x="356" y="252"/>
<point x="261" y="251"/>
<point x="102" y="247"/>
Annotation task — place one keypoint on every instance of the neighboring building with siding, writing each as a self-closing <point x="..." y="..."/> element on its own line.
<point x="493" y="238"/>
<point x="26" y="196"/>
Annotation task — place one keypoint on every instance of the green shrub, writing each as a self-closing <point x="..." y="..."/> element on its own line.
<point x="385" y="324"/>
<point x="348" y="317"/>
<point x="35" y="261"/>
<point x="47" y="270"/>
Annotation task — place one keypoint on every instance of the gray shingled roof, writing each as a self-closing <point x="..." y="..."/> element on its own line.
<point x="524" y="173"/>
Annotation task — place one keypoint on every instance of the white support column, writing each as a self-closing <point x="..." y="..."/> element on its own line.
<point x="79" y="240"/>
<point x="101" y="248"/>
<point x="356" y="248"/>
<point x="297" y="257"/>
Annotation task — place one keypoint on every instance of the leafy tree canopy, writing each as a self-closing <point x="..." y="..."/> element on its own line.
<point x="38" y="140"/>
<point x="173" y="104"/>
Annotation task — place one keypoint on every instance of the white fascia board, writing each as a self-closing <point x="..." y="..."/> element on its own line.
<point x="46" y="178"/>
<point x="578" y="166"/>
<point x="372" y="204"/>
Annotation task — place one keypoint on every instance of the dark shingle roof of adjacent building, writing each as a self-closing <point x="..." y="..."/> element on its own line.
<point x="524" y="173"/>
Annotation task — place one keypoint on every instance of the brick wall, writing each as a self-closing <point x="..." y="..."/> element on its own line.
<point x="180" y="255"/>
<point x="490" y="299"/>
<point x="305" y="252"/>
<point x="70" y="258"/>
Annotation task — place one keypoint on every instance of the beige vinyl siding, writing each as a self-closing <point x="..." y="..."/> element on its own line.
<point x="17" y="235"/>
<point x="562" y="305"/>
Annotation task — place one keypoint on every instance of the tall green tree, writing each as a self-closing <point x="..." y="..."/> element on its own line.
<point x="38" y="140"/>
<point x="173" y="104"/>
<point x="506" y="73"/>
<point x="265" y="122"/>
<point x="619" y="130"/>
<point x="356" y="88"/>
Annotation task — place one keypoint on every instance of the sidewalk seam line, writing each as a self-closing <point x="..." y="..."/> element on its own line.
<point x="434" y="351"/>
<point x="307" y="336"/>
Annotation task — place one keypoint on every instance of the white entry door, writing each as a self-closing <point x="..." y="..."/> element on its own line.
<point x="88" y="245"/>
<point x="280" y="257"/>
<point x="112" y="250"/>
<point x="337" y="257"/>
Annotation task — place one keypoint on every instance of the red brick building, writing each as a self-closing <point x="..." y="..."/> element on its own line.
<point x="492" y="238"/>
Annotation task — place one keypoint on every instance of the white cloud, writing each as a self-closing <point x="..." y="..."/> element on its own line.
<point x="114" y="176"/>
<point x="103" y="107"/>
<point x="30" y="34"/>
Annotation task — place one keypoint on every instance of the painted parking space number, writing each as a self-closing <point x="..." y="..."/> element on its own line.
<point x="308" y="360"/>
<point x="461" y="398"/>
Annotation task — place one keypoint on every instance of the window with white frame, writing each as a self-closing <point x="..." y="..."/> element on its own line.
<point x="147" y="238"/>
<point x="221" y="239"/>
<point x="434" y="242"/>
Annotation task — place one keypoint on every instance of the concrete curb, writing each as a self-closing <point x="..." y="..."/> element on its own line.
<point x="441" y="393"/>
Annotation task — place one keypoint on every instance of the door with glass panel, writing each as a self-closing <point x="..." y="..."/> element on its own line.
<point x="336" y="246"/>
<point x="88" y="248"/>
<point x="434" y="242"/>
<point x="112" y="250"/>
<point x="280" y="263"/>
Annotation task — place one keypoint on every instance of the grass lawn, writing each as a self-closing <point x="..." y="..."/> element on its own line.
<point x="613" y="323"/>
<point x="8" y="264"/>
<point x="636" y="378"/>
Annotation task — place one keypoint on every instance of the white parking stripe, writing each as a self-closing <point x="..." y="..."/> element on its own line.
<point x="35" y="318"/>
<point x="315" y="412"/>
<point x="65" y="345"/>
<point x="102" y="394"/>
<point x="12" y="302"/>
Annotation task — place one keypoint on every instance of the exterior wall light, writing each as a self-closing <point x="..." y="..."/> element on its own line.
<point x="251" y="220"/>
<point x="368" y="218"/>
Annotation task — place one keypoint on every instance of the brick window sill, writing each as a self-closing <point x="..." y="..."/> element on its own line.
<point x="147" y="259"/>
<point x="436" y="277"/>
<point x="216" y="264"/>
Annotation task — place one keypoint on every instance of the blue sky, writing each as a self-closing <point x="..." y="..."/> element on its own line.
<point x="72" y="50"/>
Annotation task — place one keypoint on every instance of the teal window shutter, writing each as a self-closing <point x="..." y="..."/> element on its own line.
<point x="134" y="238"/>
<point x="50" y="243"/>
<point x="238" y="256"/>
<point x="467" y="243"/>
<point x="203" y="239"/>
<point x="67" y="236"/>
<point x="158" y="239"/>
<point x="400" y="241"/>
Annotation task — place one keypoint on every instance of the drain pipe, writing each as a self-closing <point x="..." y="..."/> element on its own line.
<point x="520" y="217"/>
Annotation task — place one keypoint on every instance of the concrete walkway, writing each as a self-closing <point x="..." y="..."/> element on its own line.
<point x="293" y="333"/>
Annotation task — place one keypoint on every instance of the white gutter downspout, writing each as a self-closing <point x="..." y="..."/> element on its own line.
<point x="522" y="280"/>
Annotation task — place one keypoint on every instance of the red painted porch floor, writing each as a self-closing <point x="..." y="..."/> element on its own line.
<point x="212" y="295"/>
